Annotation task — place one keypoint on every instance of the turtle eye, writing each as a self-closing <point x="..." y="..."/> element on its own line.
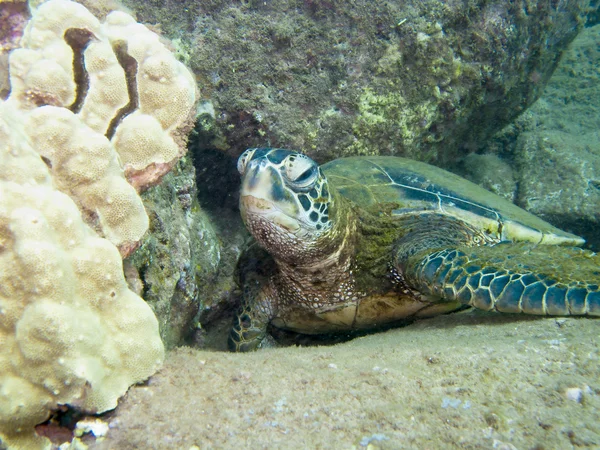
<point x="300" y="170"/>
<point x="243" y="160"/>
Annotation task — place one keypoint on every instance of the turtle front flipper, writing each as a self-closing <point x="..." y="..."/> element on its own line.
<point x="250" y="324"/>
<point x="514" y="278"/>
<point x="247" y="331"/>
<point x="253" y="274"/>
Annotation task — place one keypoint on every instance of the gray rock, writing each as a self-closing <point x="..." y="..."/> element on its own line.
<point x="558" y="159"/>
<point x="175" y="267"/>
<point x="559" y="179"/>
<point x="421" y="79"/>
<point x="491" y="172"/>
<point x="554" y="148"/>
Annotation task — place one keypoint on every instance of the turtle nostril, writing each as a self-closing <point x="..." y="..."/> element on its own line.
<point x="258" y="164"/>
<point x="243" y="160"/>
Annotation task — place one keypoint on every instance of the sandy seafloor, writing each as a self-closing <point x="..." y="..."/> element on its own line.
<point x="470" y="380"/>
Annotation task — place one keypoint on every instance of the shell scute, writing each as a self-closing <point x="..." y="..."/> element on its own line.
<point x="419" y="188"/>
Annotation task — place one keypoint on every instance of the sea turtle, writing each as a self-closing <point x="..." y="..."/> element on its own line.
<point x="361" y="242"/>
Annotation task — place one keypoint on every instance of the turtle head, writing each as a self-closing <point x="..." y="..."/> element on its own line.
<point x="285" y="200"/>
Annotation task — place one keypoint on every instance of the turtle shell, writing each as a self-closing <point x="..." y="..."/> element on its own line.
<point x="419" y="188"/>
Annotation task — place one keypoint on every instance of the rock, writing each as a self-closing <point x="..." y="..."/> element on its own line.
<point x="575" y="394"/>
<point x="425" y="79"/>
<point x="177" y="261"/>
<point x="491" y="172"/>
<point x="559" y="179"/>
<point x="553" y="150"/>
<point x="558" y="159"/>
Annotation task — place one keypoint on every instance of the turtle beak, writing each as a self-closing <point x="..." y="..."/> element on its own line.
<point x="258" y="178"/>
<point x="263" y="193"/>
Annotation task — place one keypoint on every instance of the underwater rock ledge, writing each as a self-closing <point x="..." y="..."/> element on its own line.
<point x="428" y="80"/>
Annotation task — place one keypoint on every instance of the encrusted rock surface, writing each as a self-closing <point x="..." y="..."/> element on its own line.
<point x="428" y="80"/>
<point x="554" y="148"/>
<point x="178" y="260"/>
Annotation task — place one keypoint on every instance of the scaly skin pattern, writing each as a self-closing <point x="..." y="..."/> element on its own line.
<point x="322" y="263"/>
<point x="512" y="278"/>
<point x="315" y="284"/>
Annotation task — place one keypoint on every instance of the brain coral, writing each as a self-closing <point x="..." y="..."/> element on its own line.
<point x="97" y="112"/>
<point x="71" y="332"/>
<point x="107" y="102"/>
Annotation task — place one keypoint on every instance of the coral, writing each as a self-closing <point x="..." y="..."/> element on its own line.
<point x="13" y="17"/>
<point x="71" y="332"/>
<point x="86" y="167"/>
<point x="97" y="112"/>
<point x="109" y="93"/>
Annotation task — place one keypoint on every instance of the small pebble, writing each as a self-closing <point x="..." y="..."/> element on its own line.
<point x="499" y="445"/>
<point x="450" y="402"/>
<point x="575" y="394"/>
<point x="560" y="322"/>
<point x="332" y="366"/>
<point x="96" y="427"/>
<point x="365" y="441"/>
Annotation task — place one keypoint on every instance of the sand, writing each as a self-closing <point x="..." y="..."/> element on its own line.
<point x="469" y="380"/>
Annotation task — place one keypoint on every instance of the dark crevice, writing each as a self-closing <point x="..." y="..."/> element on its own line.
<point x="78" y="39"/>
<point x="130" y="66"/>
<point x="47" y="162"/>
<point x="146" y="286"/>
